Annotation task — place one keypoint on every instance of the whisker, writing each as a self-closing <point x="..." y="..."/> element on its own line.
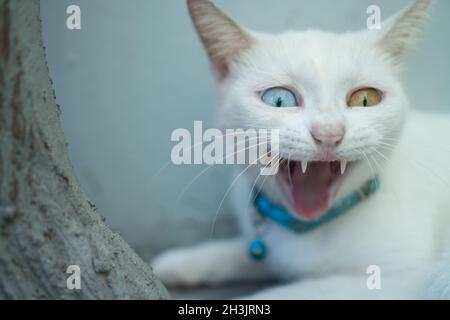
<point x="254" y="185"/>
<point x="206" y="169"/>
<point x="368" y="161"/>
<point x="165" y="165"/>
<point x="228" y="191"/>
<point x="419" y="164"/>
<point x="289" y="169"/>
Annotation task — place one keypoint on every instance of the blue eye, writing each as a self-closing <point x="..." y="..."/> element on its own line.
<point x="279" y="98"/>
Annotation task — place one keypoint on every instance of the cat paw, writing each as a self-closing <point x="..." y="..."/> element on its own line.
<point x="180" y="268"/>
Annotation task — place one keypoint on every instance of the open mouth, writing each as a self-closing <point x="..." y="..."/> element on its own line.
<point x="310" y="186"/>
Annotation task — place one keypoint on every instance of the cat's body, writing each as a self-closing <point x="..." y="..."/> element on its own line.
<point x="401" y="229"/>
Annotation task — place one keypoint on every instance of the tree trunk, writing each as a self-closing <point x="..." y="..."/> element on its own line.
<point x="46" y="222"/>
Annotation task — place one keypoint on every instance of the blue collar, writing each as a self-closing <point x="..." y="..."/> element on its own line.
<point x="267" y="209"/>
<point x="284" y="218"/>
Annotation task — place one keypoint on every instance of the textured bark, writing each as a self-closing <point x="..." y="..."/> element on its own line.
<point x="46" y="222"/>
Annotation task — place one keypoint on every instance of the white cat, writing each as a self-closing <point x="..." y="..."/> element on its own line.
<point x="339" y="104"/>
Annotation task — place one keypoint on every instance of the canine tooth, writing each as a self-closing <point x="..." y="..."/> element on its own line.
<point x="343" y="166"/>
<point x="304" y="166"/>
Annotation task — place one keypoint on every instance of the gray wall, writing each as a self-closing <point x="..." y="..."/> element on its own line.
<point x="136" y="71"/>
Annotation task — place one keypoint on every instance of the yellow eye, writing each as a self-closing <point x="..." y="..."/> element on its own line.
<point x="368" y="97"/>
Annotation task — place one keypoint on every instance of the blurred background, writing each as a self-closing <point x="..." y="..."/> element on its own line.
<point x="136" y="71"/>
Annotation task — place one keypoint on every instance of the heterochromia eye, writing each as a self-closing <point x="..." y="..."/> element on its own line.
<point x="368" y="97"/>
<point x="279" y="98"/>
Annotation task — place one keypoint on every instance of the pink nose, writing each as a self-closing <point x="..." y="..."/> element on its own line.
<point x="328" y="135"/>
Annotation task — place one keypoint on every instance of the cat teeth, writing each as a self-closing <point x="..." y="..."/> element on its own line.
<point x="304" y="166"/>
<point x="343" y="166"/>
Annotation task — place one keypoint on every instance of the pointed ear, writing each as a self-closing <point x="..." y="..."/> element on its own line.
<point x="400" y="31"/>
<point x="223" y="38"/>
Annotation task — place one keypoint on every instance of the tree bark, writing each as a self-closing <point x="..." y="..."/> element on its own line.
<point x="46" y="222"/>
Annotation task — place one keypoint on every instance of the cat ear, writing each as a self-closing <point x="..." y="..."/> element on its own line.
<point x="400" y="31"/>
<point x="223" y="38"/>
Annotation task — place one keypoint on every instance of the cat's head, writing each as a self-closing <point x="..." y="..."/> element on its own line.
<point x="336" y="98"/>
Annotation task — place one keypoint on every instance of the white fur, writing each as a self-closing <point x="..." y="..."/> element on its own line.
<point x="401" y="228"/>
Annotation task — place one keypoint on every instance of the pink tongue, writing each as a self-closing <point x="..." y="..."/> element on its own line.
<point x="310" y="191"/>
